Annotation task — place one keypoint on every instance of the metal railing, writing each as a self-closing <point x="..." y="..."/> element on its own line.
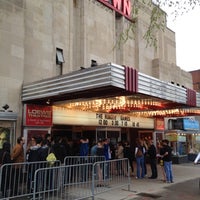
<point x="64" y="182"/>
<point x="109" y="175"/>
<point x="81" y="181"/>
<point x="40" y="180"/>
<point x="73" y="160"/>
<point x="16" y="179"/>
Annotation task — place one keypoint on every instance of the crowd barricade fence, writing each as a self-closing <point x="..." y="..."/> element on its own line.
<point x="81" y="181"/>
<point x="109" y="175"/>
<point x="16" y="179"/>
<point x="46" y="180"/>
<point x="65" y="182"/>
<point x="73" y="160"/>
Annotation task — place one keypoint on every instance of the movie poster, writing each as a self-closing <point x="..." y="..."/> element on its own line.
<point x="4" y="136"/>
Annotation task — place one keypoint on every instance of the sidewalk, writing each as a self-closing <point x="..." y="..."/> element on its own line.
<point x="181" y="172"/>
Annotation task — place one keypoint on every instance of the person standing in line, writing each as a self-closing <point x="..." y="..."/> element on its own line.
<point x="120" y="163"/>
<point x="34" y="155"/>
<point x="93" y="150"/>
<point x="167" y="159"/>
<point x="129" y="154"/>
<point x="17" y="156"/>
<point x="145" y="146"/>
<point x="84" y="146"/>
<point x="84" y="152"/>
<point x="59" y="149"/>
<point x="107" y="151"/>
<point x="45" y="150"/>
<point x="5" y="158"/>
<point x="139" y="155"/>
<point x="153" y="160"/>
<point x="107" y="154"/>
<point x="100" y="166"/>
<point x="48" y="139"/>
<point x="160" y="160"/>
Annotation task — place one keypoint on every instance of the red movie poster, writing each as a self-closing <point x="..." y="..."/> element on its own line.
<point x="38" y="115"/>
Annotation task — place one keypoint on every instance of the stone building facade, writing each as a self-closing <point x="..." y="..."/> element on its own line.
<point x="31" y="33"/>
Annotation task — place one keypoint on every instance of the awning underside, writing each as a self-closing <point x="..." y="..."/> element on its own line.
<point x="107" y="88"/>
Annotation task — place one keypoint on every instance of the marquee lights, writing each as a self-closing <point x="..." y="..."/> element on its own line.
<point x="133" y="106"/>
<point x="119" y="104"/>
<point x="168" y="113"/>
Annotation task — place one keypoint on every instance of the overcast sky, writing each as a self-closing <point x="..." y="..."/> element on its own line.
<point x="187" y="29"/>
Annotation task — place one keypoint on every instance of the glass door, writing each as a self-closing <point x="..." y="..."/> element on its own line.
<point x="114" y="134"/>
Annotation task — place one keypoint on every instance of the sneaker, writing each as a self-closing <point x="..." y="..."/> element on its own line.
<point x="168" y="182"/>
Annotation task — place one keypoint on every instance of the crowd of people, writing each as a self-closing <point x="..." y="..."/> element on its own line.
<point x="142" y="153"/>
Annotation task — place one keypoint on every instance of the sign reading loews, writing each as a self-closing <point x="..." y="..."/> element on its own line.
<point x="36" y="115"/>
<point x="122" y="7"/>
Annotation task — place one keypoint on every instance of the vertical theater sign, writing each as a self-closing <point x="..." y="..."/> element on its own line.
<point x="122" y="7"/>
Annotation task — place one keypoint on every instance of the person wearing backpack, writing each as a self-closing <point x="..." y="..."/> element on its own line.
<point x="139" y="155"/>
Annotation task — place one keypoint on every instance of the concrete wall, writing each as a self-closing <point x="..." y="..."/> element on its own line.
<point x="31" y="30"/>
<point x="12" y="36"/>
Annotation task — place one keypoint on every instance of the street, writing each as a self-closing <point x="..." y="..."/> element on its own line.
<point x="185" y="186"/>
<point x="185" y="190"/>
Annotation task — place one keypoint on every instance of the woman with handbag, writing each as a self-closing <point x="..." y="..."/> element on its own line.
<point x="139" y="155"/>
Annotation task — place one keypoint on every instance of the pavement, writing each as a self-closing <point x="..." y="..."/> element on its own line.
<point x="152" y="187"/>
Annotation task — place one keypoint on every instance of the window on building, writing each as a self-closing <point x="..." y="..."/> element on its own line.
<point x="59" y="56"/>
<point x="59" y="61"/>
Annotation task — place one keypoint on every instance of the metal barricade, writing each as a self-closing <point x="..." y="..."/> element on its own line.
<point x="109" y="175"/>
<point x="81" y="181"/>
<point x="64" y="182"/>
<point x="74" y="160"/>
<point x="16" y="179"/>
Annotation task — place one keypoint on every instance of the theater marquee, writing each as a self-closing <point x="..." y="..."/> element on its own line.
<point x="76" y="117"/>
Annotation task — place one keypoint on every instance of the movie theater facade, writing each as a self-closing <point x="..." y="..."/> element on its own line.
<point x="73" y="80"/>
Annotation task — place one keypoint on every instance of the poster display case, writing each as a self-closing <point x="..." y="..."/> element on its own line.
<point x="178" y="143"/>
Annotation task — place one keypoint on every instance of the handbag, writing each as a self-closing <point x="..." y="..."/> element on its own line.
<point x="139" y="153"/>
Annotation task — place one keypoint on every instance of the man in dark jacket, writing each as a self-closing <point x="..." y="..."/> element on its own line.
<point x="152" y="159"/>
<point x="167" y="158"/>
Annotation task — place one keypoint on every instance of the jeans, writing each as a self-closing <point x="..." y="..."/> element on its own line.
<point x="153" y="164"/>
<point x="140" y="166"/>
<point x="168" y="171"/>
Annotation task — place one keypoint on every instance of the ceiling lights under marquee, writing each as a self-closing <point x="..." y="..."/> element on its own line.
<point x="169" y="112"/>
<point x="134" y="105"/>
<point x="120" y="104"/>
